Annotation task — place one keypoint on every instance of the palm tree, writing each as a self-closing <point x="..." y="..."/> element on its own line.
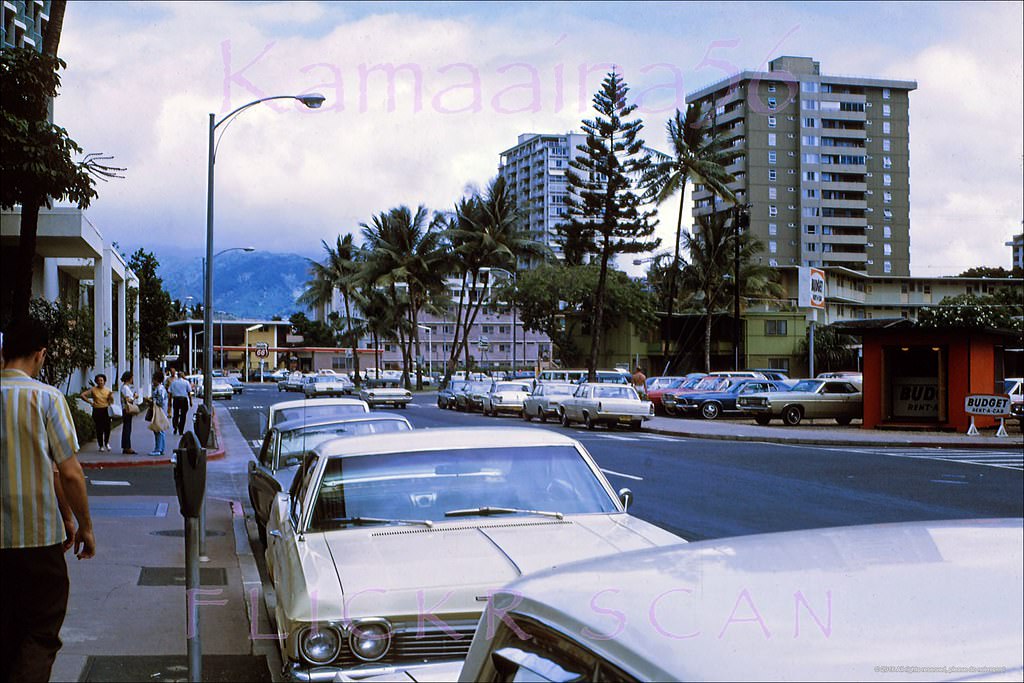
<point x="486" y="231"/>
<point x="709" y="273"/>
<point x="695" y="156"/>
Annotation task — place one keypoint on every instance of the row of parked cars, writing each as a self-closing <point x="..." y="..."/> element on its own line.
<point x="483" y="554"/>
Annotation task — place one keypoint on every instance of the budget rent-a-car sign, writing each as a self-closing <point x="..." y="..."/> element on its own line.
<point x="985" y="404"/>
<point x="812" y="288"/>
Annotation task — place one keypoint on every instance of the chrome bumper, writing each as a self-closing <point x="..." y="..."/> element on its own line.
<point x="295" y="671"/>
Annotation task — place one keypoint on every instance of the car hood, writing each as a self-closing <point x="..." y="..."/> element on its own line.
<point x="403" y="566"/>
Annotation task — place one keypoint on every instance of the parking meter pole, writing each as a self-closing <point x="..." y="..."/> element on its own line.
<point x="203" y="557"/>
<point x="193" y="644"/>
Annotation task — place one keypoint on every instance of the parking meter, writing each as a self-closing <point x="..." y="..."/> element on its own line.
<point x="190" y="475"/>
<point x="202" y="423"/>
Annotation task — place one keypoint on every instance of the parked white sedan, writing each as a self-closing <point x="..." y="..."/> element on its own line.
<point x="385" y="548"/>
<point x="388" y="396"/>
<point x="609" y="404"/>
<point x="505" y="397"/>
<point x="545" y="400"/>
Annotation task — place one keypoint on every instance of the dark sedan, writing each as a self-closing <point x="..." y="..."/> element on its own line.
<point x="446" y="396"/>
<point x="713" y="404"/>
<point x="471" y="398"/>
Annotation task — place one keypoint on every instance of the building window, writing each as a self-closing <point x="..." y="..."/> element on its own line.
<point x="886" y="179"/>
<point x="885" y="93"/>
<point x="887" y="231"/>
<point x="810" y="229"/>
<point x="886" y="110"/>
<point x="775" y="328"/>
<point x="810" y="158"/>
<point x="771" y="157"/>
<point x="809" y="105"/>
<point x="771" y="103"/>
<point x="771" y="87"/>
<point x="887" y="268"/>
<point x="771" y="139"/>
<point x="886" y="128"/>
<point x="887" y="213"/>
<point x="810" y="123"/>
<point x="773" y="210"/>
<point x="778" y="363"/>
<point x="771" y="121"/>
<point x="809" y="86"/>
<point x="811" y="176"/>
<point x="812" y="246"/>
<point x="887" y="197"/>
<point x="771" y="174"/>
<point x="886" y="145"/>
<point x="772" y="248"/>
<point x="887" y="249"/>
<point x="773" y="228"/>
<point x="811" y="140"/>
<point x="886" y="162"/>
<point x="810" y="193"/>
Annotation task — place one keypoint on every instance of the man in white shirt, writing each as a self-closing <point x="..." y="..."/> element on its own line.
<point x="181" y="400"/>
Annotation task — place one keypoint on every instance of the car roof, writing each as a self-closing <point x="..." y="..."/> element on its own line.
<point x="298" y="403"/>
<point x="824" y="604"/>
<point x="299" y="423"/>
<point x="454" y="438"/>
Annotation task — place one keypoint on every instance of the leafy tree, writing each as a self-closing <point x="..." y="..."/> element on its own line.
<point x="71" y="339"/>
<point x="709" y="274"/>
<point x="832" y="351"/>
<point x="314" y="332"/>
<point x="36" y="156"/>
<point x="557" y="299"/>
<point x="1003" y="309"/>
<point x="694" y="156"/>
<point x="990" y="271"/>
<point x="155" y="308"/>
<point x="605" y="216"/>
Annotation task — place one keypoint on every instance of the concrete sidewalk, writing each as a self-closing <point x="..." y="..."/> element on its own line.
<point x="126" y="618"/>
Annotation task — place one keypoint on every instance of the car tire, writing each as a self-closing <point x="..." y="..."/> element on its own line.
<point x="710" y="410"/>
<point x="564" y="419"/>
<point x="636" y="425"/>
<point x="542" y="416"/>
<point x="591" y="425"/>
<point x="762" y="420"/>
<point x="844" y="420"/>
<point x="526" y="415"/>
<point x="792" y="415"/>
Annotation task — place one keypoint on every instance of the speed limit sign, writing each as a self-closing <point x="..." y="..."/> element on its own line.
<point x="262" y="350"/>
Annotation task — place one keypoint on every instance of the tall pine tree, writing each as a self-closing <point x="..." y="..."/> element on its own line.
<point x="606" y="213"/>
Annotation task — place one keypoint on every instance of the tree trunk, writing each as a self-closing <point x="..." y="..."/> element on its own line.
<point x="30" y="208"/>
<point x="597" y="319"/>
<point x="672" y="279"/>
<point x="707" y="335"/>
<point x="414" y="313"/>
<point x="453" y="355"/>
<point x="353" y="342"/>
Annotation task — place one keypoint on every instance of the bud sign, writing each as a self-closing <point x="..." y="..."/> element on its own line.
<point x="812" y="288"/>
<point x="985" y="404"/>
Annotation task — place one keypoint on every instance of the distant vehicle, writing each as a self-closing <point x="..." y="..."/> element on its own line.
<point x="327" y="385"/>
<point x="655" y="396"/>
<point x="545" y="399"/>
<point x="291" y="383"/>
<point x="776" y="374"/>
<point x="471" y="398"/>
<point x="661" y="382"/>
<point x="607" y="404"/>
<point x="446" y="396"/>
<point x="810" y="398"/>
<point x="392" y="396"/>
<point x="1014" y="388"/>
<point x="221" y="388"/>
<point x="505" y="397"/>
<point x="275" y="376"/>
<point x="849" y="375"/>
<point x="709" y="383"/>
<point x="712" y="405"/>
<point x="671" y="615"/>
<point x="236" y="384"/>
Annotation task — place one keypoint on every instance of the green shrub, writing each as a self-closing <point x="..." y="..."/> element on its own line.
<point x="84" y="427"/>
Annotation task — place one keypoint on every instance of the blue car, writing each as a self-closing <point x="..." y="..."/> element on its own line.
<point x="711" y="405"/>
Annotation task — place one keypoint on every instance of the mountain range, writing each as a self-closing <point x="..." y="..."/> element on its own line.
<point x="259" y="284"/>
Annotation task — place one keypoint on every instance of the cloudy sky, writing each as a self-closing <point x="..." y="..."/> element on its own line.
<point x="142" y="79"/>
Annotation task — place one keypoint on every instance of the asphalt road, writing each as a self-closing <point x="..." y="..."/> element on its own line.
<point x="708" y="489"/>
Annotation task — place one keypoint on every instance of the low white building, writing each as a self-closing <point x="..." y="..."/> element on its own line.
<point x="74" y="263"/>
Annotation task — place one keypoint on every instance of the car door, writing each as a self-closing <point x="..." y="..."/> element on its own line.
<point x="831" y="401"/>
<point x="263" y="486"/>
<point x="284" y="527"/>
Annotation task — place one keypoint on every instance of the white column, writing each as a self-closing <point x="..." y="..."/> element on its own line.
<point x="137" y="367"/>
<point x="51" y="285"/>
<point x="122" y="329"/>
<point x="102" y="299"/>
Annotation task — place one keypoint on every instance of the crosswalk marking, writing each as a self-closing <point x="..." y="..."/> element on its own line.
<point x="1012" y="460"/>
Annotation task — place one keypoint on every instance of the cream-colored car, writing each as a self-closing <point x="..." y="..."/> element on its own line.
<point x="932" y="601"/>
<point x="384" y="551"/>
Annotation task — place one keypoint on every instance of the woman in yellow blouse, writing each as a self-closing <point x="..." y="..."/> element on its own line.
<point x="100" y="398"/>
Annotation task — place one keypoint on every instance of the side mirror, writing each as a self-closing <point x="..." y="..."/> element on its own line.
<point x="626" y="498"/>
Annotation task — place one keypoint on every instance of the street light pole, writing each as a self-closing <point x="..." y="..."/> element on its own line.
<point x="313" y="101"/>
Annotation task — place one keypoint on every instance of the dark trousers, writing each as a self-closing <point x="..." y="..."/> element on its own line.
<point x="179" y="414"/>
<point x="33" y="600"/>
<point x="101" y="418"/>
<point x="126" y="430"/>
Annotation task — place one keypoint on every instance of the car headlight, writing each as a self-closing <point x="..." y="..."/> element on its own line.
<point x="408" y="395"/>
<point x="370" y="640"/>
<point x="320" y="644"/>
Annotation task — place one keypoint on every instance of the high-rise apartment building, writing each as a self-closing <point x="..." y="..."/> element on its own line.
<point x="822" y="161"/>
<point x="23" y="22"/>
<point x="1017" y="250"/>
<point x="535" y="171"/>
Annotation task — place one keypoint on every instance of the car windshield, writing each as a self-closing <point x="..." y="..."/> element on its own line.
<point x="512" y="386"/>
<point x="317" y="412"/>
<point x="326" y="379"/>
<point x="299" y="441"/>
<point x="807" y="385"/>
<point x="559" y="389"/>
<point x="614" y="392"/>
<point x="425" y="485"/>
<point x="457" y="386"/>
<point x="712" y="384"/>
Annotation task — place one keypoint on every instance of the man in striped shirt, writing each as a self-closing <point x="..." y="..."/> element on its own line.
<point x="42" y="495"/>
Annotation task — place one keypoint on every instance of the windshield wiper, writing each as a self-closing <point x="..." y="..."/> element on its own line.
<point x="379" y="520"/>
<point x="484" y="511"/>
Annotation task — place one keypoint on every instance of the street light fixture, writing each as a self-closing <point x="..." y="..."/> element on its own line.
<point x="488" y="269"/>
<point x="311" y="100"/>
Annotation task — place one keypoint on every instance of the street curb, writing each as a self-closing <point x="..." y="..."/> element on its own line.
<point x="216" y="454"/>
<point x="810" y="441"/>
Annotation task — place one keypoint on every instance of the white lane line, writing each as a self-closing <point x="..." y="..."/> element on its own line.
<point x="101" y="482"/>
<point x="616" y="437"/>
<point x="256" y="443"/>
<point x="944" y="481"/>
<point x="620" y="474"/>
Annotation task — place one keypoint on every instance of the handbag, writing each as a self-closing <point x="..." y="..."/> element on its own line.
<point x="149" y="413"/>
<point x="114" y="409"/>
<point x="131" y="408"/>
<point x="160" y="423"/>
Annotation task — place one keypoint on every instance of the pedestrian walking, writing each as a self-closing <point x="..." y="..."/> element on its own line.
<point x="181" y="400"/>
<point x="100" y="397"/>
<point x="129" y="409"/>
<point x="639" y="379"/>
<point x="44" y="509"/>
<point x="158" y="422"/>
